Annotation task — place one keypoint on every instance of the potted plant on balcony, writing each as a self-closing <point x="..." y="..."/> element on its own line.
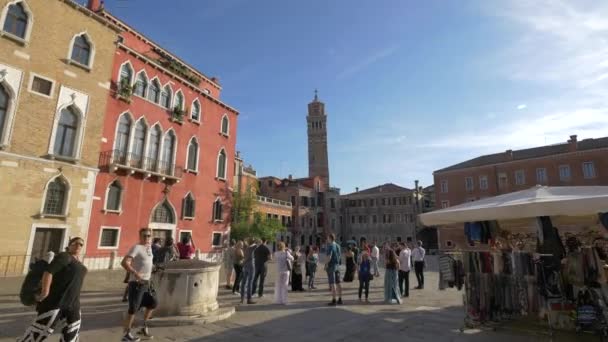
<point x="125" y="90"/>
<point x="177" y="115"/>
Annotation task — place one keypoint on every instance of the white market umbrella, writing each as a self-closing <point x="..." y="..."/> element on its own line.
<point x="536" y="201"/>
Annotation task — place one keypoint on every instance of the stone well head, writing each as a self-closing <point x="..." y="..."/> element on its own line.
<point x="187" y="288"/>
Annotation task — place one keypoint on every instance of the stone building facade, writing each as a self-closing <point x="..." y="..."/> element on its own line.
<point x="54" y="87"/>
<point x="166" y="153"/>
<point x="383" y="213"/>
<point x="573" y="163"/>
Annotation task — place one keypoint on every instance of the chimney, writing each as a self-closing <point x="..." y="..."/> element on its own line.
<point x="572" y="143"/>
<point x="215" y="80"/>
<point x="357" y="189"/>
<point x="238" y="154"/>
<point x="95" y="5"/>
<point x="509" y="154"/>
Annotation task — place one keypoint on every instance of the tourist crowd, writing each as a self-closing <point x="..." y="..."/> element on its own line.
<point x="245" y="264"/>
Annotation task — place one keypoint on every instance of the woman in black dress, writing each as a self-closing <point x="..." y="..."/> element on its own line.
<point x="296" y="277"/>
<point x="349" y="275"/>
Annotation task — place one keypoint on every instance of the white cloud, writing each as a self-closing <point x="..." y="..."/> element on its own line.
<point x="367" y="61"/>
<point x="525" y="132"/>
<point x="560" y="46"/>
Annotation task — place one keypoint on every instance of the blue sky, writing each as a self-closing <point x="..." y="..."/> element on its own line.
<point x="410" y="86"/>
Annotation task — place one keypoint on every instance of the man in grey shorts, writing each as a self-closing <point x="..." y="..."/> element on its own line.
<point x="334" y="255"/>
<point x="139" y="262"/>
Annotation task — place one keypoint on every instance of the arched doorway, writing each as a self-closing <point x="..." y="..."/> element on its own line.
<point x="163" y="221"/>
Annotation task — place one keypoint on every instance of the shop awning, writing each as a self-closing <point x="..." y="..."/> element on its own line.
<point x="537" y="201"/>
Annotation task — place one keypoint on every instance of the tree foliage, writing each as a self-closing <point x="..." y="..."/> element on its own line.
<point x="249" y="223"/>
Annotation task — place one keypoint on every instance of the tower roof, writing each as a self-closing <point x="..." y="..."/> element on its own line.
<point x="316" y="107"/>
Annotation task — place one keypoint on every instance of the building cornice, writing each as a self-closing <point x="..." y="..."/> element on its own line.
<point x="94" y="15"/>
<point x="48" y="161"/>
<point x="154" y="64"/>
<point x="147" y="40"/>
<point x="567" y="154"/>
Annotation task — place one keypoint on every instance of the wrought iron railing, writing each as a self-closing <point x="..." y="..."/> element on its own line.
<point x="139" y="163"/>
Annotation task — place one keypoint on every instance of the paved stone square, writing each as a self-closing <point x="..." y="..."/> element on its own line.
<point x="428" y="315"/>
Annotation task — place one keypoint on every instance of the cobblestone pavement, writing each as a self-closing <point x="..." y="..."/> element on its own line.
<point x="426" y="315"/>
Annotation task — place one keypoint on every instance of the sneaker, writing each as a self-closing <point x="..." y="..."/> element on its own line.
<point x="340" y="301"/>
<point x="260" y="296"/>
<point x="128" y="337"/>
<point x="145" y="332"/>
<point x="333" y="303"/>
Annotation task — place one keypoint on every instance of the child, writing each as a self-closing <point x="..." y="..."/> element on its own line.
<point x="364" y="275"/>
<point x="312" y="261"/>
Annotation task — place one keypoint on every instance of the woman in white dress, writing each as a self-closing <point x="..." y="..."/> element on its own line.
<point x="282" y="257"/>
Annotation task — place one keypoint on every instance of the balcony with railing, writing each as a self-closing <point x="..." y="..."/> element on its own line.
<point x="269" y="200"/>
<point x="115" y="160"/>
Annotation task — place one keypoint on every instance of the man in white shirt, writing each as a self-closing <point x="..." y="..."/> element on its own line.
<point x="418" y="256"/>
<point x="405" y="262"/>
<point x="138" y="262"/>
<point x="375" y="257"/>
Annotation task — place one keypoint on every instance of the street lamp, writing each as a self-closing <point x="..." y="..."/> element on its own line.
<point x="416" y="210"/>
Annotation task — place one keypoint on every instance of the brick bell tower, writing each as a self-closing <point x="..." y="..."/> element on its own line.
<point x="318" y="164"/>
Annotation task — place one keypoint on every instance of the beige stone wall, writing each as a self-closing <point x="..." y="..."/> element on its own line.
<point x="54" y="26"/>
<point x="25" y="168"/>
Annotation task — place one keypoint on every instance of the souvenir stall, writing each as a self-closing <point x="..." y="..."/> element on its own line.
<point x="541" y="252"/>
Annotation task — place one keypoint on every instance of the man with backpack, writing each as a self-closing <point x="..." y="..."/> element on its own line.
<point x="333" y="272"/>
<point x="139" y="263"/>
<point x="59" y="296"/>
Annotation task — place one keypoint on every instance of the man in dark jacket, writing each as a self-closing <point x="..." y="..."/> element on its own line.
<point x="248" y="272"/>
<point x="261" y="256"/>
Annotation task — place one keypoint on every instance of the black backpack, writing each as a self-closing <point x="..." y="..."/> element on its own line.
<point x="32" y="284"/>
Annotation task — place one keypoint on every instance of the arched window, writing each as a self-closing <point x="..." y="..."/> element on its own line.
<point x="4" y="101"/>
<point x="165" y="97"/>
<point x="139" y="141"/>
<point x="81" y="50"/>
<point x="141" y="84"/>
<point x="179" y="100"/>
<point x="168" y="148"/>
<point x="163" y="213"/>
<point x="123" y="132"/>
<point x="56" y="195"/>
<point x="16" y="20"/>
<point x="65" y="136"/>
<point x="114" y="197"/>
<point x="126" y="75"/>
<point x="225" y="125"/>
<point x="154" y="148"/>
<point x="154" y="92"/>
<point x="188" y="207"/>
<point x="196" y="111"/>
<point x="221" y="165"/>
<point x="217" y="210"/>
<point x="192" y="155"/>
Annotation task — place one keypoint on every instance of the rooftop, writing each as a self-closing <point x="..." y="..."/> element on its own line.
<point x="384" y="188"/>
<point x="529" y="153"/>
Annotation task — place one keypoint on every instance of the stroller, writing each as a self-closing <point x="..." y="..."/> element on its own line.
<point x="590" y="313"/>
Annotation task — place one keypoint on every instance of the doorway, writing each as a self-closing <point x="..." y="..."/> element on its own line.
<point x="45" y="240"/>
<point x="163" y="234"/>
